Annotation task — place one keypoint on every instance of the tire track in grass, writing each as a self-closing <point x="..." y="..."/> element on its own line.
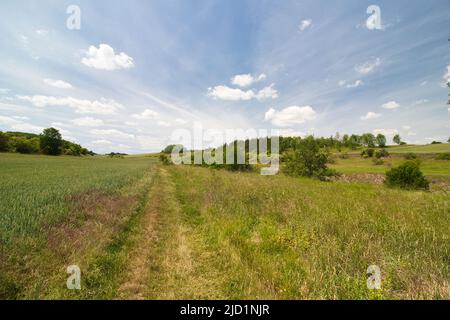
<point x="181" y="267"/>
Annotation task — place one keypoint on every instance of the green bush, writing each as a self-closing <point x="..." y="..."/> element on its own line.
<point x="407" y="176"/>
<point x="165" y="159"/>
<point x="443" y="156"/>
<point x="367" y="153"/>
<point x="382" y="153"/>
<point x="410" y="156"/>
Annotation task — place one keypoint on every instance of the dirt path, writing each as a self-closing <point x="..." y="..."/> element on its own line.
<point x="167" y="260"/>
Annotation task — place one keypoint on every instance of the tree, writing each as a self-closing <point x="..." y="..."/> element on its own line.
<point x="4" y="139"/>
<point x="368" y="139"/>
<point x="448" y="141"/>
<point x="307" y="160"/>
<point x="51" y="142"/>
<point x="397" y="139"/>
<point x="381" y="140"/>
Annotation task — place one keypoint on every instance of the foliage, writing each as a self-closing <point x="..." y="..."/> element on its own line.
<point x="407" y="176"/>
<point x="381" y="140"/>
<point x="443" y="156"/>
<point x="368" y="153"/>
<point x="368" y="140"/>
<point x="382" y="153"/>
<point x="308" y="160"/>
<point x="169" y="148"/>
<point x="51" y="142"/>
<point x="397" y="139"/>
<point x="410" y="156"/>
<point x="164" y="158"/>
<point x="4" y="140"/>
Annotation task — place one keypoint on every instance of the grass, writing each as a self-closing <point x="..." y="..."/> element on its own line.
<point x="57" y="210"/>
<point x="286" y="238"/>
<point x="430" y="148"/>
<point x="429" y="167"/>
<point x="146" y="231"/>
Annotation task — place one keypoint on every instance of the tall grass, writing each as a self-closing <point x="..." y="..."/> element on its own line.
<point x="290" y="238"/>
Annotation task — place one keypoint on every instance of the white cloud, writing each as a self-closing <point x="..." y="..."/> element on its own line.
<point x="341" y="83"/>
<point x="368" y="67"/>
<point x="58" y="84"/>
<point x="386" y="132"/>
<point x="290" y="116"/>
<point x="4" y="90"/>
<point x="390" y="105"/>
<point x="267" y="93"/>
<point x="146" y="114"/>
<point x="245" y="80"/>
<point x="371" y="115"/>
<point x="305" y="24"/>
<point x="87" y="122"/>
<point x="111" y="133"/>
<point x="227" y="93"/>
<point x="411" y="134"/>
<point x="104" y="58"/>
<point x="406" y="127"/>
<point x="104" y="106"/>
<point x="356" y="84"/>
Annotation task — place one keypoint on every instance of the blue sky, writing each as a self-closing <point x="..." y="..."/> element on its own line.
<point x="138" y="70"/>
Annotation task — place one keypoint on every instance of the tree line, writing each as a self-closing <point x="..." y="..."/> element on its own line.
<point x="49" y="142"/>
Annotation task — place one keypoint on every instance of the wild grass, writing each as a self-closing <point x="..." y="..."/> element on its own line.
<point x="293" y="238"/>
<point x="430" y="167"/>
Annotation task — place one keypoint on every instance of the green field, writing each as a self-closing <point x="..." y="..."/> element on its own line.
<point x="430" y="167"/>
<point x="421" y="149"/>
<point x="140" y="230"/>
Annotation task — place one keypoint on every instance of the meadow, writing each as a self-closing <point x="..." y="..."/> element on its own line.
<point x="141" y="230"/>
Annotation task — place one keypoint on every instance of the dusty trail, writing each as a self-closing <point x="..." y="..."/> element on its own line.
<point x="167" y="260"/>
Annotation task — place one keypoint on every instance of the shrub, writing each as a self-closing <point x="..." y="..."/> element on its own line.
<point x="165" y="159"/>
<point x="443" y="156"/>
<point x="367" y="153"/>
<point x="410" y="156"/>
<point x="407" y="176"/>
<point x="382" y="153"/>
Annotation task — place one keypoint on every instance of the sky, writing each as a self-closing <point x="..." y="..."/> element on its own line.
<point x="135" y="72"/>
